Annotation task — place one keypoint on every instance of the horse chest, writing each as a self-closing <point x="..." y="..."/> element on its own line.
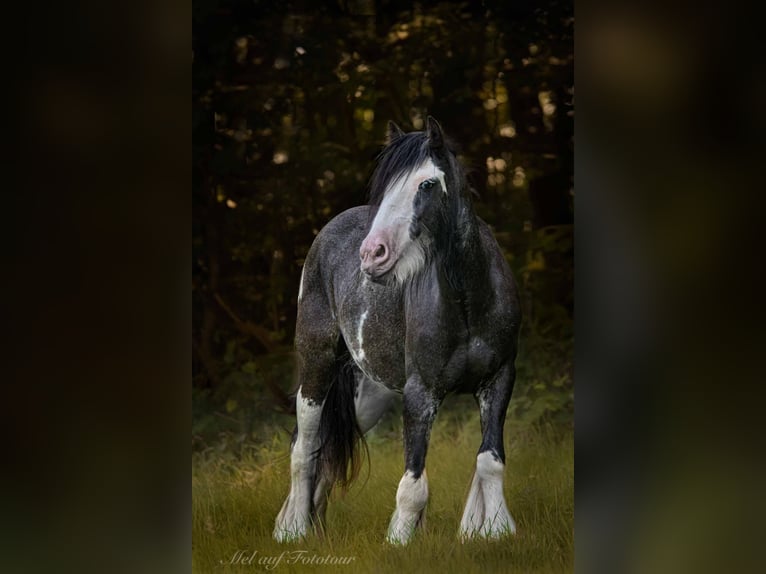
<point x="374" y="337"/>
<point x="482" y="358"/>
<point x="389" y="341"/>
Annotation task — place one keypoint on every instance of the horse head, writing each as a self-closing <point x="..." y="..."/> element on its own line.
<point x="414" y="191"/>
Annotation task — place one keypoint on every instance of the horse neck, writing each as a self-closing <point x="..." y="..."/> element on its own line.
<point x="464" y="263"/>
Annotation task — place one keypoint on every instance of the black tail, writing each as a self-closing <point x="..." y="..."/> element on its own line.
<point x="339" y="433"/>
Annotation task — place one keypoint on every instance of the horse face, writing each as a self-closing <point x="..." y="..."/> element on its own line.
<point x="408" y="213"/>
<point x="396" y="242"/>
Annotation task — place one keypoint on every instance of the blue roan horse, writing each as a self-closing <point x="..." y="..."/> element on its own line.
<point x="407" y="296"/>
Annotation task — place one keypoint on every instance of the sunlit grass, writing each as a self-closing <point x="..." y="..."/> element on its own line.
<point x="235" y="503"/>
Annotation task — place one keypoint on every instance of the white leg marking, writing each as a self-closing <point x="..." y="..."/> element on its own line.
<point x="473" y="515"/>
<point x="411" y="498"/>
<point x="294" y="518"/>
<point x="300" y="288"/>
<point x="486" y="513"/>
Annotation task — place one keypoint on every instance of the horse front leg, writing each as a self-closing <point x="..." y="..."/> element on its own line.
<point x="420" y="406"/>
<point x="486" y="513"/>
<point x="295" y="517"/>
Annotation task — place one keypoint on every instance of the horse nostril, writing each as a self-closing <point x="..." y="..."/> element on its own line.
<point x="380" y="252"/>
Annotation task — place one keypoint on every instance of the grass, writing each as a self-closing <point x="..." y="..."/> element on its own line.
<point x="235" y="502"/>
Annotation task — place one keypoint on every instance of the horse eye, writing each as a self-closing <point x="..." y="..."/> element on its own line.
<point x="427" y="184"/>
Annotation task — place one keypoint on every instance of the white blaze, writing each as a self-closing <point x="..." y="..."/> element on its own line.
<point x="395" y="213"/>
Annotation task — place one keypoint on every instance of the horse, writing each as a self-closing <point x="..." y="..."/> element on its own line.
<point x="409" y="296"/>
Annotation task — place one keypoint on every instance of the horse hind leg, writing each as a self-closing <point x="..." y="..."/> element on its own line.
<point x="486" y="512"/>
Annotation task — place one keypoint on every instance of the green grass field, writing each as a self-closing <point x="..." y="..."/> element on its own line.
<point x="235" y="501"/>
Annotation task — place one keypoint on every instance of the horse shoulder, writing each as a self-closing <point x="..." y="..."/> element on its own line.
<point x="333" y="248"/>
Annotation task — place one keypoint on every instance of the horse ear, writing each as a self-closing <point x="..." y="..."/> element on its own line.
<point x="435" y="134"/>
<point x="394" y="132"/>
